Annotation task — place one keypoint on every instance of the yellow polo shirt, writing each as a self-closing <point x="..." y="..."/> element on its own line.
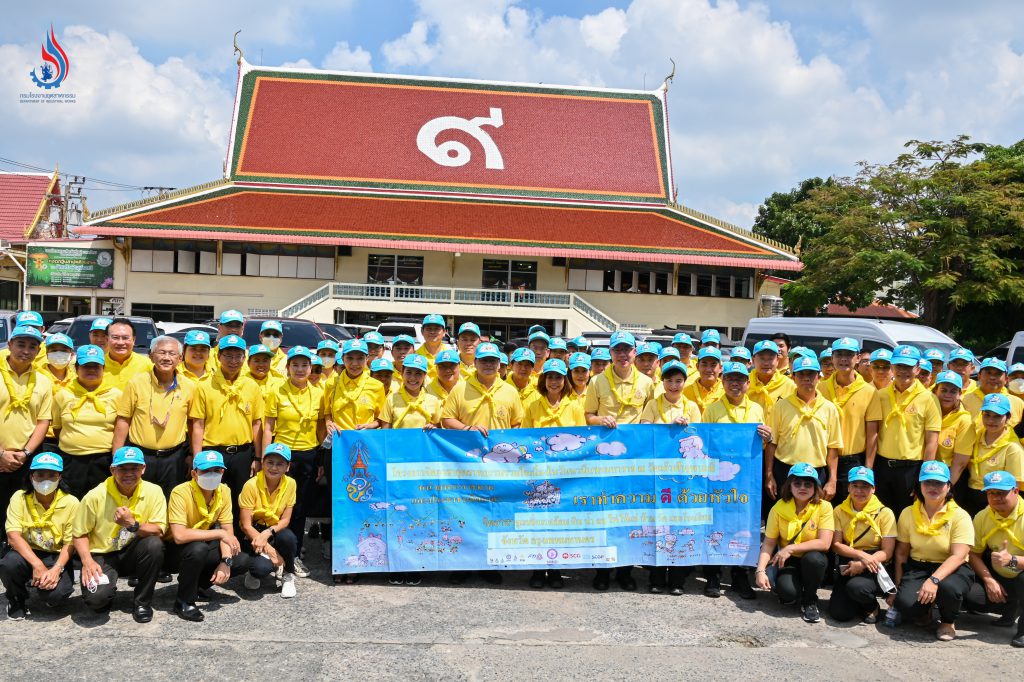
<point x="800" y="438"/>
<point x="183" y="510"/>
<point x="973" y="399"/>
<point x="610" y="396"/>
<point x="903" y="438"/>
<point x="95" y="516"/>
<point x="50" y="536"/>
<point x="935" y="549"/>
<point x="870" y="540"/>
<point x="354" y="401"/>
<point x="184" y="371"/>
<point x="17" y="424"/>
<point x="297" y="412"/>
<point x="467" y="403"/>
<point x="422" y="350"/>
<point x="279" y="364"/>
<point x="281" y="499"/>
<point x="1006" y="454"/>
<point x="528" y="393"/>
<point x="660" y="411"/>
<point x="767" y="394"/>
<point x="540" y="414"/>
<point x="956" y="435"/>
<point x="987" y="537"/>
<point x="821" y="519"/>
<point x="158" y="419"/>
<point x="83" y="428"/>
<point x="228" y="421"/>
<point x="402" y="411"/>
<point x="118" y="374"/>
<point x="853" y="402"/>
<point x="266" y="384"/>
<point x="435" y="389"/>
<point x="747" y="412"/>
<point x="702" y="397"/>
<point x="58" y="384"/>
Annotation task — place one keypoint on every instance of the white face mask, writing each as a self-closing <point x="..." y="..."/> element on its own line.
<point x="328" y="362"/>
<point x="44" y="487"/>
<point x="209" y="481"/>
<point x="1017" y="386"/>
<point x="58" y="359"/>
<point x="272" y="342"/>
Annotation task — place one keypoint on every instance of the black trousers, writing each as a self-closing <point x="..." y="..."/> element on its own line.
<point x="82" y="473"/>
<point x="952" y="590"/>
<point x="854" y="596"/>
<point x="10" y="483"/>
<point x="846" y="462"/>
<point x="286" y="545"/>
<point x="972" y="500"/>
<point x="16" y="572"/>
<point x="669" y="576"/>
<point x="799" y="580"/>
<point x="713" y="574"/>
<point x="195" y="562"/>
<point x="142" y="558"/>
<point x="303" y="470"/>
<point x="977" y="600"/>
<point x="167" y="468"/>
<point x="895" y="480"/>
<point x="237" y="467"/>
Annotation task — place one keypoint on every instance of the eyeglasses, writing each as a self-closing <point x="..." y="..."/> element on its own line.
<point x="802" y="483"/>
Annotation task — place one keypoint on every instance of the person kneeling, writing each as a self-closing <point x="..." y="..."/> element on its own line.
<point x="203" y="549"/>
<point x="118" y="528"/>
<point x="265" y="510"/>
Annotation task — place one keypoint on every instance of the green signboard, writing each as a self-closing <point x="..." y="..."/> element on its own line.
<point x="60" y="266"/>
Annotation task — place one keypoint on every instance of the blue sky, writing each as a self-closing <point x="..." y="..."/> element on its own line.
<point x="767" y="93"/>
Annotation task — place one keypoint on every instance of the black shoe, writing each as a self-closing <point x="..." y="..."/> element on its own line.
<point x="1018" y="641"/>
<point x="601" y="582"/>
<point x="163" y="577"/>
<point x="396" y="578"/>
<point x="1005" y="621"/>
<point x="413" y="579"/>
<point x="133" y="581"/>
<point x="676" y="592"/>
<point x="741" y="586"/>
<point x="627" y="583"/>
<point x="713" y="589"/>
<point x="142" y="614"/>
<point x="656" y="589"/>
<point x="811" y="614"/>
<point x="537" y="580"/>
<point x="17" y="610"/>
<point x="492" y="577"/>
<point x="457" y="578"/>
<point x="555" y="580"/>
<point x="186" y="611"/>
<point x="871" y="618"/>
<point x="314" y="531"/>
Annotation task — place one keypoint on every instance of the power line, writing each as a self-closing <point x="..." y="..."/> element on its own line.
<point x="27" y="166"/>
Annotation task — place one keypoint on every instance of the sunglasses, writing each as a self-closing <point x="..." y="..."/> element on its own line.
<point x="802" y="483"/>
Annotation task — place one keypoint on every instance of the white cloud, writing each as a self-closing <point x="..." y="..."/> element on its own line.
<point x="411" y="49"/>
<point x="603" y="31"/>
<point x="343" y="58"/>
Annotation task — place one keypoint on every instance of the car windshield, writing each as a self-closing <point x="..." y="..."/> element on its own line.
<point x="296" y="333"/>
<point x="390" y="331"/>
<point x="940" y="345"/>
<point x="145" y="332"/>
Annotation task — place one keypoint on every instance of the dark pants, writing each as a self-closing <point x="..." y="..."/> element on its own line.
<point x="799" y="580"/>
<point x="977" y="600"/>
<point x="972" y="500"/>
<point x="854" y="597"/>
<point x="82" y="473"/>
<point x="142" y="558"/>
<point x="195" y="562"/>
<point x="303" y="470"/>
<point x="166" y="468"/>
<point x="16" y="572"/>
<point x="620" y="573"/>
<point x="713" y="574"/>
<point x="952" y="590"/>
<point x="669" y="576"/>
<point x="846" y="462"/>
<point x="237" y="468"/>
<point x="286" y="545"/>
<point x="895" y="480"/>
<point x="10" y="483"/>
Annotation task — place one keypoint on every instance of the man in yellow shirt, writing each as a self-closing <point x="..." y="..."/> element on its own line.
<point x="466" y="342"/>
<point x="272" y="336"/>
<point x="257" y="368"/>
<point x="540" y="343"/>
<point x="152" y="415"/>
<point x="881" y="368"/>
<point x="849" y="392"/>
<point x="26" y="403"/>
<point x="708" y="386"/>
<point x="902" y="431"/>
<point x="98" y="332"/>
<point x="118" y="529"/>
<point x="202" y="546"/>
<point x="521" y="376"/>
<point x="961" y="361"/>
<point x="646" y="360"/>
<point x="433" y="340"/>
<point x="122" y="362"/>
<point x="684" y="344"/>
<point x="31" y="319"/>
<point x="357" y="398"/>
<point x="992" y="378"/>
<point x="998" y="554"/>
<point x="446" y="374"/>
<point x="767" y="384"/>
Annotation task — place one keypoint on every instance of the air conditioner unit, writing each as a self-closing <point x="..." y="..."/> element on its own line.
<point x="771" y="306"/>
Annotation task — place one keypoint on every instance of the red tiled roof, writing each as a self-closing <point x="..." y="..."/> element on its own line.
<point x="22" y="196"/>
<point x="876" y="309"/>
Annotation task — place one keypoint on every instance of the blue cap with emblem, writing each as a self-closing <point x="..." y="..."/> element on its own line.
<point x="709" y="352"/>
<point x="948" y="377"/>
<point x="327" y="344"/>
<point x="862" y="474"/>
<point x="403" y="338"/>
<point x="271" y="326"/>
<point x="354" y="346"/>
<point x="128" y="454"/>
<point x="433" y="318"/>
<point x="806" y="363"/>
<point x="279" y="449"/>
<point x="197" y="337"/>
<point x="996" y="403"/>
<point x="647" y="348"/>
<point x="300" y="352"/>
<point x="231" y="341"/>
<point x="59" y="340"/>
<point x="415" y="361"/>
<point x="906" y="355"/>
<point x="100" y="324"/>
<point x="208" y="459"/>
<point x="28" y="318"/>
<point x="600" y="353"/>
<point x="373" y="339"/>
<point x="993" y="363"/>
<point x="90" y="355"/>
<point x="766" y="346"/>
<point x="934" y="470"/>
<point x="846" y="343"/>
<point x="621" y="338"/>
<point x="470" y="328"/>
<point x="961" y="354"/>
<point x="881" y="355"/>
<point x="447" y="356"/>
<point x="524" y="355"/>
<point x="382" y="365"/>
<point x="230" y="316"/>
<point x="735" y="368"/>
<point x="558" y="343"/>
<point x="259" y="349"/>
<point x="682" y="338"/>
<point x="24" y="332"/>
<point x="487" y="350"/>
<point x="999" y="480"/>
<point x="803" y="470"/>
<point x="47" y="461"/>
<point x="740" y="353"/>
<point x="710" y="336"/>
<point x="579" y="360"/>
<point x="554" y="365"/>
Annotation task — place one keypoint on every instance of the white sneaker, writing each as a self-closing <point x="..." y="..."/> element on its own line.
<point x="300" y="569"/>
<point x="288" y="586"/>
<point x="252" y="582"/>
<point x="278" y="575"/>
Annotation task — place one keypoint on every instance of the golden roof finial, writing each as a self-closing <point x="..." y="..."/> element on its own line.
<point x="671" y="77"/>
<point x="234" y="40"/>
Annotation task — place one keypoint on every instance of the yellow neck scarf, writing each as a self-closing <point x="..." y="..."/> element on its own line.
<point x="617" y="384"/>
<point x="1006" y="525"/>
<point x="487" y="396"/>
<point x="552" y="413"/>
<point x="271" y="506"/>
<point x="979" y="456"/>
<point x="843" y="394"/>
<point x="759" y="388"/>
<point x="43" y="518"/>
<point x="935" y="525"/>
<point x="411" y="405"/>
<point x="232" y="393"/>
<point x="794" y="523"/>
<point x="207" y="513"/>
<point x="902" y="402"/>
<point x="868" y="515"/>
<point x="807" y="412"/>
<point x="731" y="410"/>
<point x="122" y="501"/>
<point x="84" y="396"/>
<point x="350" y="388"/>
<point x="17" y="401"/>
<point x="661" y="402"/>
<point x="705" y="396"/>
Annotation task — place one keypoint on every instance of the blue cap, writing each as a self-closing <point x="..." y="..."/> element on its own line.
<point x="827" y="353"/>
<point x="503" y="359"/>
<point x="540" y="336"/>
<point x="100" y="324"/>
<point x="669" y="352"/>
<point x="327" y="344"/>
<point x="906" y="355"/>
<point x="766" y="346"/>
<point x="800" y="350"/>
<point x="403" y="338"/>
<point x="46" y="461"/>
<point x="646" y="348"/>
<point x="447" y="355"/>
<point x="374" y="338"/>
<point x="803" y="470"/>
<point x="271" y="326"/>
<point x="881" y="355"/>
<point x="581" y="342"/>
<point x="558" y="343"/>
<point x="862" y="474"/>
<point x="579" y="360"/>
<point x="60" y="340"/>
<point x="961" y="354"/>
<point x="600" y="353"/>
<point x="1016" y="367"/>
<point x="382" y="365"/>
<point x="934" y="470"/>
<point x="128" y="454"/>
<point x="415" y="361"/>
<point x="197" y="337"/>
<point x="621" y="338"/>
<point x="994" y="480"/>
<point x="710" y="336"/>
<point x="300" y="352"/>
<point x="24" y="332"/>
<point x="259" y="349"/>
<point x="279" y="449"/>
<point x="471" y="327"/>
<point x="846" y="343"/>
<point x="487" y="350"/>
<point x="229" y="316"/>
<point x="535" y="328"/>
<point x="993" y="363"/>
<point x="735" y="368"/>
<point x="317" y="361"/>
<point x="354" y="346"/>
<point x="925" y="365"/>
<point x="806" y="363"/>
<point x="997" y="403"/>
<point x="682" y="337"/>
<point x="524" y="355"/>
<point x="935" y="355"/>
<point x="709" y="352"/>
<point x="231" y="341"/>
<point x="433" y="318"/>
<point x="90" y="355"/>
<point x="554" y="365"/>
<point x="739" y="352"/>
<point x="948" y="377"/>
<point x="28" y="318"/>
<point x="673" y="365"/>
<point x="208" y="459"/>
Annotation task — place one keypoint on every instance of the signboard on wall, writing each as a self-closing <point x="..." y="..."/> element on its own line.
<point x="60" y="266"/>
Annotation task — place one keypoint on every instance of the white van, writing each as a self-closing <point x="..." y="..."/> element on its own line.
<point x="818" y="333"/>
<point x="1015" y="353"/>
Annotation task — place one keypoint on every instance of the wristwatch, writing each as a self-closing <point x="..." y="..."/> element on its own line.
<point x="1013" y="562"/>
<point x="934" y="579"/>
<point x="227" y="561"/>
<point x="134" y="528"/>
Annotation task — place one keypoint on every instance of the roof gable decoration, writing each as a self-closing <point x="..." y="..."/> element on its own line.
<point x="24" y="198"/>
<point x="320" y="128"/>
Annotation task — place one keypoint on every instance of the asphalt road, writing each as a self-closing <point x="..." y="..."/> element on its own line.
<point x="435" y="631"/>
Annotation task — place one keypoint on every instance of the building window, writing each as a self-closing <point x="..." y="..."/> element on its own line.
<point x="160" y="312"/>
<point x="188" y="257"/>
<point x="293" y="261"/>
<point x="619" y="276"/>
<point x="392" y="269"/>
<point x="510" y="274"/>
<point x="10" y="295"/>
<point x="695" y="281"/>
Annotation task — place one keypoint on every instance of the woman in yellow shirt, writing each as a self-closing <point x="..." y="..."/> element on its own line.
<point x="383" y="370"/>
<point x="600" y="358"/>
<point x="672" y="406"/>
<point x="800" y="527"/>
<point x="39" y="521"/>
<point x="934" y="537"/>
<point x="265" y="514"/>
<point x="864" y="540"/>
<point x="553" y="405"/>
<point x="196" y="359"/>
<point x="579" y="375"/>
<point x="60" y="350"/>
<point x="520" y="375"/>
<point x="957" y="435"/>
<point x="996" y="448"/>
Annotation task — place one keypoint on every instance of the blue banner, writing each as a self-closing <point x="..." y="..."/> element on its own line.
<point x="582" y="497"/>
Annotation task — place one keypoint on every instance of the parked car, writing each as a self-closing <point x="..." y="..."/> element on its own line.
<point x="296" y="332"/>
<point x="59" y="327"/>
<point x="145" y="331"/>
<point x="357" y="330"/>
<point x="817" y="333"/>
<point x="6" y="326"/>
<point x="178" y="330"/>
<point x="389" y="330"/>
<point x="337" y="332"/>
<point x="1015" y="352"/>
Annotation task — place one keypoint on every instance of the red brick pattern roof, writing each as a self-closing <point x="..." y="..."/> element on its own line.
<point x="21" y="199"/>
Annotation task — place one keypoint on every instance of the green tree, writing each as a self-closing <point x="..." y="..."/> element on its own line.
<point x="779" y="218"/>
